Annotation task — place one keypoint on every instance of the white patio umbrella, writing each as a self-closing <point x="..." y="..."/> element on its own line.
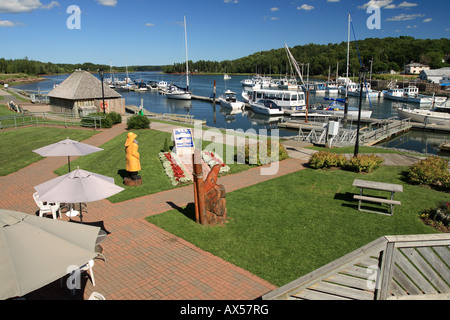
<point x="36" y="251"/>
<point x="67" y="148"/>
<point x="76" y="187"/>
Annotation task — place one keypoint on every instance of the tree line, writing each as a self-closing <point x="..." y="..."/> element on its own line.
<point x="382" y="55"/>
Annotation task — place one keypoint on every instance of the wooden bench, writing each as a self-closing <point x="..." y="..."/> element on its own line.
<point x="389" y="187"/>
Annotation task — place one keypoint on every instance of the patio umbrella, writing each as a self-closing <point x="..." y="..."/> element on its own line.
<point x="67" y="148"/>
<point x="78" y="186"/>
<point x="36" y="251"/>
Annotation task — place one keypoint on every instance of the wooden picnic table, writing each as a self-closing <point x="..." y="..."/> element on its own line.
<point x="381" y="186"/>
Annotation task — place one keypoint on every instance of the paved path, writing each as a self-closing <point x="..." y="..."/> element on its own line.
<point x="142" y="260"/>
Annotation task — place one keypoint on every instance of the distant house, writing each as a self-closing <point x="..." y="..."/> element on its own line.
<point x="81" y="94"/>
<point x="435" y="75"/>
<point x="415" y="68"/>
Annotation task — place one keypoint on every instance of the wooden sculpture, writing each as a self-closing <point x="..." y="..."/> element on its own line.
<point x="210" y="202"/>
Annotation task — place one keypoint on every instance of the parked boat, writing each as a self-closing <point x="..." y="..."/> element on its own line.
<point x="286" y="99"/>
<point x="178" y="93"/>
<point x="352" y="89"/>
<point x="411" y="94"/>
<point x="337" y="108"/>
<point x="439" y="115"/>
<point x="267" y="107"/>
<point x="228" y="100"/>
<point x="226" y="77"/>
<point x="288" y="84"/>
<point x="247" y="82"/>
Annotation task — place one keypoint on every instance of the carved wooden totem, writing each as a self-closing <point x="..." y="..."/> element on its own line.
<point x="210" y="202"/>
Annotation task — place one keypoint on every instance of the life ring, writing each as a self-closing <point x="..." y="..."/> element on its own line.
<point x="105" y="106"/>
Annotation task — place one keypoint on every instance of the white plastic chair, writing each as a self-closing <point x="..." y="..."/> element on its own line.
<point x="88" y="266"/>
<point x="96" y="296"/>
<point x="53" y="208"/>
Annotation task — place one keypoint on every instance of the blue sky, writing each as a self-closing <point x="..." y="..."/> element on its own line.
<point x="150" y="32"/>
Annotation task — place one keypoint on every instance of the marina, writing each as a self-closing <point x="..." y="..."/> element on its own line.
<point x="205" y="106"/>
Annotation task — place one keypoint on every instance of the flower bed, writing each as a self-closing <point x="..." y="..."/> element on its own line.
<point x="174" y="168"/>
<point x="212" y="159"/>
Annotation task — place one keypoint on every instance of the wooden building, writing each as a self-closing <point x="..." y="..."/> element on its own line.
<point x="81" y="94"/>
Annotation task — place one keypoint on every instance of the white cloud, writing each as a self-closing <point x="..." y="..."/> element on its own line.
<point x="333" y="0"/>
<point x="427" y="20"/>
<point x="107" y="3"/>
<point x="50" y="5"/>
<point x="6" y="23"/>
<point x="305" y="7"/>
<point x="378" y="3"/>
<point x="387" y="4"/>
<point x="405" y="17"/>
<point x="231" y="1"/>
<point x="18" y="6"/>
<point x="149" y="24"/>
<point x="406" y="4"/>
<point x="274" y="9"/>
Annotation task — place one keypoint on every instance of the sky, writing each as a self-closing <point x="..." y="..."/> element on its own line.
<point x="151" y="32"/>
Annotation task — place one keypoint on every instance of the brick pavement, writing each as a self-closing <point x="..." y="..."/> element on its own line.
<point x="143" y="261"/>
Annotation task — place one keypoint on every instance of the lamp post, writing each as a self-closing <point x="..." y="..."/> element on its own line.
<point x="362" y="79"/>
<point x="101" y="73"/>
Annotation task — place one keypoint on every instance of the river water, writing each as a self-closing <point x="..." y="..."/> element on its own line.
<point x="215" y="116"/>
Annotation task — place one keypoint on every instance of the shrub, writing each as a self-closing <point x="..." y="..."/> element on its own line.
<point x="115" y="117"/>
<point x="262" y="154"/>
<point x="364" y="163"/>
<point x="106" y="122"/>
<point x="138" y="122"/>
<point x="325" y="159"/>
<point x="430" y="171"/>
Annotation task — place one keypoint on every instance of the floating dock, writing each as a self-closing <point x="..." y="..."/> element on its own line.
<point x="182" y="118"/>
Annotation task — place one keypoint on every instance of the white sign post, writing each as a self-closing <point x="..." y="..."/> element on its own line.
<point x="183" y="142"/>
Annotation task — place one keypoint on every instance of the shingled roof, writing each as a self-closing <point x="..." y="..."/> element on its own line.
<point x="81" y="85"/>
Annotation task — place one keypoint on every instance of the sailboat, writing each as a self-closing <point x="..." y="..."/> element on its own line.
<point x="178" y="93"/>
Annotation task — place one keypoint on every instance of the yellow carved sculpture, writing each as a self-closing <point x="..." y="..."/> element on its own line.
<point x="133" y="164"/>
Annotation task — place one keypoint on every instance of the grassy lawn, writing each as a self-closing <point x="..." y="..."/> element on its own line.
<point x="18" y="145"/>
<point x="286" y="227"/>
<point x="111" y="162"/>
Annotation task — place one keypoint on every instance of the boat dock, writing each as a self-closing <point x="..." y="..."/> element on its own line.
<point x="371" y="132"/>
<point x="182" y="118"/>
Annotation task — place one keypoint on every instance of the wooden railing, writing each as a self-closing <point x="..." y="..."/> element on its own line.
<point x="388" y="268"/>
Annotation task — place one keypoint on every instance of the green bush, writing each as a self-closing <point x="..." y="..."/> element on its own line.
<point x="325" y="159"/>
<point x="430" y="171"/>
<point x="364" y="163"/>
<point x="138" y="122"/>
<point x="115" y="117"/>
<point x="103" y="123"/>
<point x="262" y="154"/>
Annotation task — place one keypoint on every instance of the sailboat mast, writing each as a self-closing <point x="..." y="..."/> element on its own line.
<point x="348" y="54"/>
<point x="187" y="63"/>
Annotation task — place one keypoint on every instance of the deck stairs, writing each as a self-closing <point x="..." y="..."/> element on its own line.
<point x="412" y="267"/>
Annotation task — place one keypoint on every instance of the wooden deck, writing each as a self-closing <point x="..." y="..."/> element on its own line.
<point x="408" y="267"/>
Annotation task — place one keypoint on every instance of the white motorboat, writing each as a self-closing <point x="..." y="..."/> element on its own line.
<point x="176" y="92"/>
<point x="288" y="84"/>
<point x="411" y="94"/>
<point x="226" y="77"/>
<point x="267" y="107"/>
<point x="228" y="100"/>
<point x="247" y="82"/>
<point x="439" y="115"/>
<point x="352" y="89"/>
<point x="162" y="85"/>
<point x="287" y="99"/>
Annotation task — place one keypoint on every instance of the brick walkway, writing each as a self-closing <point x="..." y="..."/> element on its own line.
<point x="143" y="261"/>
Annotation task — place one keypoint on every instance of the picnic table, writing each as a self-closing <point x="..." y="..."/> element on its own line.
<point x="381" y="186"/>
